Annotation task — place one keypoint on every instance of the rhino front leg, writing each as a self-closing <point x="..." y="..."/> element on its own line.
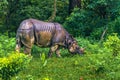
<point x="27" y="51"/>
<point x="52" y="49"/>
<point x="58" y="52"/>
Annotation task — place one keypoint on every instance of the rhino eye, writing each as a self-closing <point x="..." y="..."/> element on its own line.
<point x="69" y="42"/>
<point x="77" y="47"/>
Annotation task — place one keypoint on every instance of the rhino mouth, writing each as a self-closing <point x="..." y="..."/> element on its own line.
<point x="79" y="51"/>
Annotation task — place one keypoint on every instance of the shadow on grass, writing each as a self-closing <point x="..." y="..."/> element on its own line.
<point x="36" y="51"/>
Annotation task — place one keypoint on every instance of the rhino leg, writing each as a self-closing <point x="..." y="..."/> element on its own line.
<point x="52" y="49"/>
<point x="58" y="52"/>
<point x="28" y="46"/>
<point x="27" y="51"/>
<point x="28" y="42"/>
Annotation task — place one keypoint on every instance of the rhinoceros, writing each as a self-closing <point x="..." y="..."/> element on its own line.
<point x="45" y="34"/>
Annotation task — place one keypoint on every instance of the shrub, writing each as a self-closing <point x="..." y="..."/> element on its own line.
<point x="82" y="22"/>
<point x="113" y="44"/>
<point x="102" y="66"/>
<point x="91" y="47"/>
<point x="12" y="64"/>
<point x="6" y="45"/>
<point x="114" y="26"/>
<point x="75" y="23"/>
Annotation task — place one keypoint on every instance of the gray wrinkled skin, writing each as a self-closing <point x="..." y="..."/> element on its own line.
<point x="44" y="34"/>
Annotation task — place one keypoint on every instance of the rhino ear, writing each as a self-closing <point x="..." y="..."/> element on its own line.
<point x="69" y="39"/>
<point x="71" y="36"/>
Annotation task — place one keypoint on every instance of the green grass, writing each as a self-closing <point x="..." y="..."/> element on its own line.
<point x="69" y="67"/>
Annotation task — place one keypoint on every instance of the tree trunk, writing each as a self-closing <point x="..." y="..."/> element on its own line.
<point x="103" y="34"/>
<point x="52" y="17"/>
<point x="73" y="4"/>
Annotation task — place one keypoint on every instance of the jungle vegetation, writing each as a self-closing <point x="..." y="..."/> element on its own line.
<point x="94" y="23"/>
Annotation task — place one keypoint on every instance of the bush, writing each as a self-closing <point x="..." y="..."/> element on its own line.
<point x="12" y="64"/>
<point x="91" y="47"/>
<point x="101" y="66"/>
<point x="90" y="20"/>
<point x="76" y="21"/>
<point x="82" y="22"/>
<point x="114" y="26"/>
<point x="113" y="44"/>
<point x="6" y="45"/>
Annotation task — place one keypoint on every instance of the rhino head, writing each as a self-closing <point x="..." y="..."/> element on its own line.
<point x="73" y="47"/>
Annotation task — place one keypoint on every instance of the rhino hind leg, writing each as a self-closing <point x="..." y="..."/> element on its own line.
<point x="17" y="48"/>
<point x="28" y="46"/>
<point x="28" y="42"/>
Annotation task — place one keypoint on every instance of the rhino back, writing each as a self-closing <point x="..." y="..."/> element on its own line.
<point x="43" y="26"/>
<point x="44" y="32"/>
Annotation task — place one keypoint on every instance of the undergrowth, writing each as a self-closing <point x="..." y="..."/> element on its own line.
<point x="97" y="63"/>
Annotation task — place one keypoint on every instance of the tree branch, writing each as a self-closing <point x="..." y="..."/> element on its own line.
<point x="54" y="13"/>
<point x="103" y="34"/>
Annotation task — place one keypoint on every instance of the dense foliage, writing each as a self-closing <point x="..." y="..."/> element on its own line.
<point x="7" y="45"/>
<point x="13" y="12"/>
<point x="90" y="20"/>
<point x="93" y="18"/>
<point x="11" y="65"/>
<point x="113" y="44"/>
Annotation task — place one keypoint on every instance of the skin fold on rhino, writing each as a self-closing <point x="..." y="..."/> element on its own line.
<point x="45" y="34"/>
